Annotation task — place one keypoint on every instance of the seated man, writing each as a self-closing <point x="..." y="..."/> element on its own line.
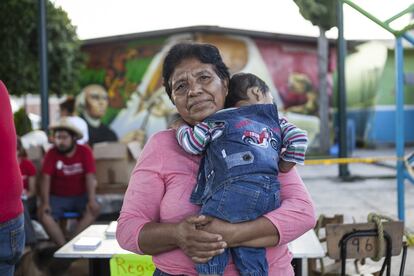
<point x="68" y="182"/>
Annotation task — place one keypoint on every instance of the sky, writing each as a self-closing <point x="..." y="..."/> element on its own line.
<point x="102" y="18"/>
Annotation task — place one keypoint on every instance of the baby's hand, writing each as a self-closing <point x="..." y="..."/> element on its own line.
<point x="285" y="166"/>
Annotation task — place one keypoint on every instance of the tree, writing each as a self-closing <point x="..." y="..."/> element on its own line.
<point x="22" y="122"/>
<point x="19" y="48"/>
<point x="321" y="13"/>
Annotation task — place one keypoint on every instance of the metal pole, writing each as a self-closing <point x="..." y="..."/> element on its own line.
<point x="399" y="124"/>
<point x="343" y="151"/>
<point x="409" y="37"/>
<point x="44" y="99"/>
<point x="323" y="49"/>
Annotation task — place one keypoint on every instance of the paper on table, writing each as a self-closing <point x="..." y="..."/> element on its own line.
<point x="87" y="243"/>
<point x="111" y="230"/>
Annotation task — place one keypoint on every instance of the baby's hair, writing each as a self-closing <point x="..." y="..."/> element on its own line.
<point x="238" y="86"/>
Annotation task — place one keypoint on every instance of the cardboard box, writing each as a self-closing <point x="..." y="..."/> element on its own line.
<point x="134" y="148"/>
<point x="110" y="150"/>
<point x="113" y="171"/>
<point x="35" y="152"/>
<point x="114" y="162"/>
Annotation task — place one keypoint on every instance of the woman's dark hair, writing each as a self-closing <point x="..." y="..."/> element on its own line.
<point x="205" y="53"/>
<point x="238" y="86"/>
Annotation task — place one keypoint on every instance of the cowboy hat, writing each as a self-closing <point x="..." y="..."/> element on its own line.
<point x="65" y="124"/>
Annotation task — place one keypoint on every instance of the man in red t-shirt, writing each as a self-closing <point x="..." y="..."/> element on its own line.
<point x="11" y="207"/>
<point x="68" y="182"/>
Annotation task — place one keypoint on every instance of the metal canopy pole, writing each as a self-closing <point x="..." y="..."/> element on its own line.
<point x="44" y="98"/>
<point x="342" y="118"/>
<point x="399" y="119"/>
<point x="402" y="173"/>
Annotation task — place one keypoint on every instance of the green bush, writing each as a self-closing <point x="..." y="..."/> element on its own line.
<point x="22" y="122"/>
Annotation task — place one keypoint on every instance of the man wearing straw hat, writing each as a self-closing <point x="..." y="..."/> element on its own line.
<point x="68" y="182"/>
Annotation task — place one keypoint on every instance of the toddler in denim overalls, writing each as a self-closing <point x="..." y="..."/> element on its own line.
<point x="237" y="179"/>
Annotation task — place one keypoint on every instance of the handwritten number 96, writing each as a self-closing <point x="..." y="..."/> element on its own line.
<point x="364" y="244"/>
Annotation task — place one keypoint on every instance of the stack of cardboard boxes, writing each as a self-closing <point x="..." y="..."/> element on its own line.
<point x="114" y="164"/>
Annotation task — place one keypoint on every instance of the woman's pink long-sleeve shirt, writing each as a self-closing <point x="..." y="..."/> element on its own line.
<point x="159" y="191"/>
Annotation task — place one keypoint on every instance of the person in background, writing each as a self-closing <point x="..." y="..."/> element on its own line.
<point x="91" y="104"/>
<point x="67" y="110"/>
<point x="158" y="219"/>
<point x="68" y="182"/>
<point x="28" y="172"/>
<point x="250" y="133"/>
<point x="12" y="237"/>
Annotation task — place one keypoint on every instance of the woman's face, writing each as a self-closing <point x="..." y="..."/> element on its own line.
<point x="197" y="91"/>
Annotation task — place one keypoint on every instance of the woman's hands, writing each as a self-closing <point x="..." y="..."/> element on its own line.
<point x="197" y="243"/>
<point x="202" y="237"/>
<point x="256" y="233"/>
<point x="214" y="225"/>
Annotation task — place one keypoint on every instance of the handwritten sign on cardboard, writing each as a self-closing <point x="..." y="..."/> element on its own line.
<point x="131" y="265"/>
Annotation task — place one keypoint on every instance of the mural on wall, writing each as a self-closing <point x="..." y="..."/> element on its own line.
<point x="120" y="68"/>
<point x="128" y="76"/>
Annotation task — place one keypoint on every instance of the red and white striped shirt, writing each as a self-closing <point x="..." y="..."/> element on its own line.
<point x="195" y="140"/>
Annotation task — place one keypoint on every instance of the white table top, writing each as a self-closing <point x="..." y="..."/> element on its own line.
<point x="306" y="246"/>
<point x="106" y="249"/>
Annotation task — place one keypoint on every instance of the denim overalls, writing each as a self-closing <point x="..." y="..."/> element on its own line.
<point x="237" y="179"/>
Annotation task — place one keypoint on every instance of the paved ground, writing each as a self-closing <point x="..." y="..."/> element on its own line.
<point x="373" y="190"/>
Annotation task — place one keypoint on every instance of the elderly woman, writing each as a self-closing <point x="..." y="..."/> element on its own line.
<point x="157" y="217"/>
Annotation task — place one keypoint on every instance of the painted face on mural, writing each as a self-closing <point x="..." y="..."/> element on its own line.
<point x="299" y="83"/>
<point x="96" y="100"/>
<point x="197" y="91"/>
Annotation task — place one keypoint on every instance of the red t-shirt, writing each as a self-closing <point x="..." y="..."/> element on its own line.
<point x="68" y="174"/>
<point x="27" y="169"/>
<point x="11" y="181"/>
